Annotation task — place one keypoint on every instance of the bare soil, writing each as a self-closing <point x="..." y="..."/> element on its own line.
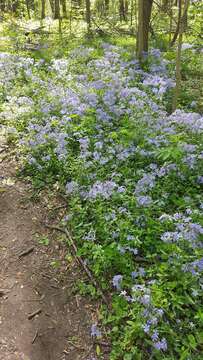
<point x="30" y="284"/>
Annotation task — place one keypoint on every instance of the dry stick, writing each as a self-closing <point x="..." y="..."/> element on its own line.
<point x="37" y="312"/>
<point x="78" y="258"/>
<point x="2" y="292"/>
<point x="75" y="345"/>
<point x="88" y="353"/>
<point x="26" y="252"/>
<point x="35" y="337"/>
<point x="2" y="150"/>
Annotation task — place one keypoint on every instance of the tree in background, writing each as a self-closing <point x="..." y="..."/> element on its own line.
<point x="43" y="5"/>
<point x="88" y="15"/>
<point x="56" y="9"/>
<point x="144" y="16"/>
<point x="181" y="29"/>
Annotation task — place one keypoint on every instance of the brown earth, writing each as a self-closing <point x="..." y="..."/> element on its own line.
<point x="30" y="283"/>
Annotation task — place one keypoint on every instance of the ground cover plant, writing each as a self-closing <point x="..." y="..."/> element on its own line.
<point x="94" y="125"/>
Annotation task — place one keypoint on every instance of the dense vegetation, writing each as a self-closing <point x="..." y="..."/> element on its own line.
<point x="96" y="123"/>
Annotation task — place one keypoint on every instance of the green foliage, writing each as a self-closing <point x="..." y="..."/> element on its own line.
<point x="115" y="235"/>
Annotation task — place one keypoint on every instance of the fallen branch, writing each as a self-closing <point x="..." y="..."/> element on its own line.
<point x="2" y="292"/>
<point x="3" y="149"/>
<point x="88" y="353"/>
<point x="37" y="312"/>
<point x="26" y="252"/>
<point x="35" y="337"/>
<point x="76" y="346"/>
<point x="79" y="259"/>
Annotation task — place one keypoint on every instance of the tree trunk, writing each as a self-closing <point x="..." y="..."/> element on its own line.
<point x="88" y="15"/>
<point x="63" y="3"/>
<point x="144" y="16"/>
<point x="56" y="9"/>
<point x="182" y="28"/>
<point x="178" y="23"/>
<point x="122" y="10"/>
<point x="43" y="9"/>
<point x="171" y="21"/>
<point x="131" y="11"/>
<point x="52" y="6"/>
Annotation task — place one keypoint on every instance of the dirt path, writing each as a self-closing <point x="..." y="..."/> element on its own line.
<point x="29" y="283"/>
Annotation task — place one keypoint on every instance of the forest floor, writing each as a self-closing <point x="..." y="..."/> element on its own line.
<point x="40" y="316"/>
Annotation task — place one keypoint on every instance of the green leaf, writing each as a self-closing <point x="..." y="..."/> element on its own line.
<point x="192" y="341"/>
<point x="128" y="357"/>
<point x="98" y="350"/>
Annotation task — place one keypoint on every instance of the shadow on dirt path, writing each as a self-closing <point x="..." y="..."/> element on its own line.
<point x="29" y="285"/>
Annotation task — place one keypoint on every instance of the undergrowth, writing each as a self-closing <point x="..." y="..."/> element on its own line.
<point x="94" y="125"/>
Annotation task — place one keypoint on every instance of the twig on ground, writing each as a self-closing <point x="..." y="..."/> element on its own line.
<point x="77" y="301"/>
<point x="26" y="252"/>
<point x="32" y="315"/>
<point x="87" y="354"/>
<point x="79" y="259"/>
<point x="65" y="352"/>
<point x="75" y="345"/>
<point x="3" y="149"/>
<point x="2" y="292"/>
<point x="35" y="337"/>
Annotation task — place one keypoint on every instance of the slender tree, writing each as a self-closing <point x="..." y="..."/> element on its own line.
<point x="56" y="9"/>
<point x="43" y="4"/>
<point x="178" y="23"/>
<point x="64" y="9"/>
<point x="144" y="16"/>
<point x="88" y="15"/>
<point x="52" y="6"/>
<point x="182" y="28"/>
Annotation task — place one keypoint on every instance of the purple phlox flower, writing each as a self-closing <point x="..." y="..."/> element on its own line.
<point x="195" y="293"/>
<point x="110" y="216"/>
<point x="134" y="274"/>
<point x="147" y="182"/>
<point x="171" y="236"/>
<point x="146" y="328"/>
<point x="200" y="180"/>
<point x="104" y="189"/>
<point x="155" y="336"/>
<point x="145" y="299"/>
<point x="121" y="249"/>
<point x="71" y="187"/>
<point x="46" y="158"/>
<point x="154" y="320"/>
<point x="122" y="210"/>
<point x="132" y="250"/>
<point x="91" y="236"/>
<point x="95" y="332"/>
<point x="117" y="280"/>
<point x="142" y="271"/>
<point x="159" y="312"/>
<point x="115" y="234"/>
<point x="144" y="200"/>
<point x="121" y="189"/>
<point x="165" y="217"/>
<point x="99" y="145"/>
<point x="161" y="345"/>
<point x="138" y="287"/>
<point x="84" y="143"/>
<point x="67" y="218"/>
<point x="130" y="237"/>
